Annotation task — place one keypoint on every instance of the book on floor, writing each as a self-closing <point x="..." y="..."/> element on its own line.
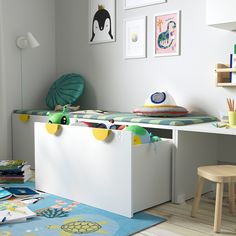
<point x="22" y="170"/>
<point x="4" y="194"/>
<point x="14" y="179"/>
<point x="13" y="215"/>
<point x="14" y="171"/>
<point x="11" y="165"/>
<point x="7" y="192"/>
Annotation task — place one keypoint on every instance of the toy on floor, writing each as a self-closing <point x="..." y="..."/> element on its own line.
<point x="141" y="135"/>
<point x="59" y="118"/>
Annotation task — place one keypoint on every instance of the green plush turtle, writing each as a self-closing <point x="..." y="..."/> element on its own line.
<point x="59" y="117"/>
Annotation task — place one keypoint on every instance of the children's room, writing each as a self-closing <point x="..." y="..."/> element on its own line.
<point x="117" y="117"/>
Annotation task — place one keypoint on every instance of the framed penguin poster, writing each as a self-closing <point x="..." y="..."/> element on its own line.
<point x="101" y="21"/>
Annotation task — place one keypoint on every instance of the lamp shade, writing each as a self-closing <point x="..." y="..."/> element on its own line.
<point x="33" y="43"/>
<point x="27" y="41"/>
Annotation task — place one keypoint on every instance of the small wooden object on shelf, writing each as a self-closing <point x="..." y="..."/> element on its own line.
<point x="223" y="75"/>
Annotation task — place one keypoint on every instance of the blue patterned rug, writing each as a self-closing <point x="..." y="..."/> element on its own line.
<point x="60" y="216"/>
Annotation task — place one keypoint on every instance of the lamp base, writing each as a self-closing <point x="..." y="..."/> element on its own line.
<point x="21" y="42"/>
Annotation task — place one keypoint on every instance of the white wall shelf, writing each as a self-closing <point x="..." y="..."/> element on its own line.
<point x="221" y="14"/>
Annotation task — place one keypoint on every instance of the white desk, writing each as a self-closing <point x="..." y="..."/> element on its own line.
<point x="194" y="145"/>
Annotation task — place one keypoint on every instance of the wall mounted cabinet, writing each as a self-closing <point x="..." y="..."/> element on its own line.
<point x="223" y="75"/>
<point x="221" y="14"/>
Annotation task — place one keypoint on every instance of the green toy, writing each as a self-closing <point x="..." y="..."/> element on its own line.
<point x="60" y="117"/>
<point x="141" y="135"/>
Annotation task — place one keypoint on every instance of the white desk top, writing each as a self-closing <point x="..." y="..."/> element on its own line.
<point x="206" y="128"/>
<point x="202" y="127"/>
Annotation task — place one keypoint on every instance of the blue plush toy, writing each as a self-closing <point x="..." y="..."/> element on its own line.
<point x="141" y="135"/>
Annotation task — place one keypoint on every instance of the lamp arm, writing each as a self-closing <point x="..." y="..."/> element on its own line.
<point x="21" y="81"/>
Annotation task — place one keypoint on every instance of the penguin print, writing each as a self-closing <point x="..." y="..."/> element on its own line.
<point x="101" y="24"/>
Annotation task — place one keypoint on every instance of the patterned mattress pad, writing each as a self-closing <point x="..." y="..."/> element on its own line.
<point x="127" y="117"/>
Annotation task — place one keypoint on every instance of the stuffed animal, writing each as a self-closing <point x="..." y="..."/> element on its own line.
<point x="141" y="135"/>
<point x="60" y="117"/>
<point x="107" y="125"/>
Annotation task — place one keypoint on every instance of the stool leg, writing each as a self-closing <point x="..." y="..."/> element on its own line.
<point x="231" y="197"/>
<point x="200" y="183"/>
<point x="218" y="206"/>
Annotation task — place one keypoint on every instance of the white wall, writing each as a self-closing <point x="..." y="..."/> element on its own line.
<point x="3" y="119"/>
<point x="38" y="65"/>
<point x="112" y="83"/>
<point x="117" y="84"/>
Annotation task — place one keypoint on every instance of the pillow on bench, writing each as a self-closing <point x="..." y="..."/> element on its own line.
<point x="66" y="90"/>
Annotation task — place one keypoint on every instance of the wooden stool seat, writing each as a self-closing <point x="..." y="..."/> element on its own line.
<point x="219" y="174"/>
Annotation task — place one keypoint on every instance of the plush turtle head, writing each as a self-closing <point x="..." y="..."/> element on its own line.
<point x="59" y="117"/>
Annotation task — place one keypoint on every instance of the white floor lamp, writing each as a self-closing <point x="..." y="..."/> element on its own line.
<point x="23" y="42"/>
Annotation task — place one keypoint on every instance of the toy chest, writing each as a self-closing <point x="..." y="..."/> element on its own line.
<point x="113" y="175"/>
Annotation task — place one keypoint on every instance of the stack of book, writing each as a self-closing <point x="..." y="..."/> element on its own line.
<point x="14" y="171"/>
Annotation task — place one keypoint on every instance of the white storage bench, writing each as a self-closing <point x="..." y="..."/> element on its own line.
<point x="113" y="175"/>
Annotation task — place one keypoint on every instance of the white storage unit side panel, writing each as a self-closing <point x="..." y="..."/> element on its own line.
<point x="193" y="149"/>
<point x="151" y="174"/>
<point x="76" y="166"/>
<point x="23" y="137"/>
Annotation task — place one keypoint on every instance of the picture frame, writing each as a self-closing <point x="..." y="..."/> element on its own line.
<point x="129" y="4"/>
<point x="135" y="37"/>
<point x="167" y="34"/>
<point x="101" y="21"/>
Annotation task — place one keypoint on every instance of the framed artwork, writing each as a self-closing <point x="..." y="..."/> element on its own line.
<point x="101" y="21"/>
<point x="167" y="34"/>
<point x="135" y="37"/>
<point x="128" y="4"/>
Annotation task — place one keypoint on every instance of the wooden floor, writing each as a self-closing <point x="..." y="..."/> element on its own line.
<point x="180" y="222"/>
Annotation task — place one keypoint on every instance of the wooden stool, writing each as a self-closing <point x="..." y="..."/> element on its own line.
<point x="219" y="174"/>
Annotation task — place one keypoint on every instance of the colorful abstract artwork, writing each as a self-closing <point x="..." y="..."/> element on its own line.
<point x="167" y="30"/>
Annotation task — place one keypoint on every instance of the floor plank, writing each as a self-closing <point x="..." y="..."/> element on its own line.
<point x="180" y="222"/>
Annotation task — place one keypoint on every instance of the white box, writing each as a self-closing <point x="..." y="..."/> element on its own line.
<point x="113" y="175"/>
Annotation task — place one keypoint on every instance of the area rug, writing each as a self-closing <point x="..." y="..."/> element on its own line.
<point x="60" y="216"/>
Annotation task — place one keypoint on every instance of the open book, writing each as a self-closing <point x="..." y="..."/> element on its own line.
<point x="8" y="192"/>
<point x="14" y="215"/>
<point x="4" y="194"/>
